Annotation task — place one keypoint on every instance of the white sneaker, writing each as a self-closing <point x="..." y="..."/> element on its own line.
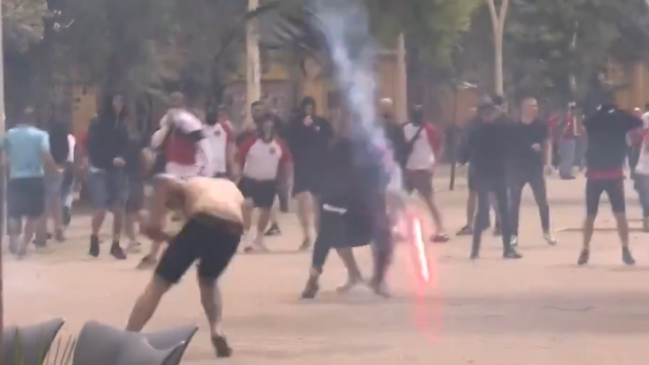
<point x="549" y="238"/>
<point x="514" y="241"/>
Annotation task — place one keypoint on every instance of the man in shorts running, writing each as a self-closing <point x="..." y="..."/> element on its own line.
<point x="211" y="235"/>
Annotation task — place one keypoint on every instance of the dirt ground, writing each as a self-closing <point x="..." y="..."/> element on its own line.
<point x="542" y="310"/>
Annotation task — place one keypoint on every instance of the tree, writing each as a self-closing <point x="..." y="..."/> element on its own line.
<point x="498" y="18"/>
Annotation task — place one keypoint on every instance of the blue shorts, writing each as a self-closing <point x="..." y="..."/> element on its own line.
<point x="107" y="189"/>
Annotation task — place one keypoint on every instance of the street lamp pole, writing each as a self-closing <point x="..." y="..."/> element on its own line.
<point x="2" y="180"/>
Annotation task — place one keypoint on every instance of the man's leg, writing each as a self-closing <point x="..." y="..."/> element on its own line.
<point x="480" y="220"/>
<point x="537" y="183"/>
<point x="67" y="194"/>
<point x="55" y="204"/>
<point x="516" y="191"/>
<point x="615" y="191"/>
<point x="471" y="202"/>
<point x="34" y="210"/>
<point x="594" y="189"/>
<point x="98" y="186"/>
<point x="305" y="210"/>
<point x="383" y="247"/>
<point x="567" y="152"/>
<point x="117" y="200"/>
<point x="423" y="183"/>
<point x="500" y="191"/>
<point x="263" y="198"/>
<point x="354" y="275"/>
<point x="175" y="261"/>
<point x="333" y="230"/>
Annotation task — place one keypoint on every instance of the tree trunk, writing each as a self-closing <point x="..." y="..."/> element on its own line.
<point x="402" y="81"/>
<point x="253" y="69"/>
<point x="498" y="18"/>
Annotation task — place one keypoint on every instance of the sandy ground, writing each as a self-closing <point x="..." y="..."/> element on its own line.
<point x="541" y="310"/>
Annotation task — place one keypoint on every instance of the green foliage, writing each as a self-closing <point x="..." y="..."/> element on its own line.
<point x="22" y="22"/>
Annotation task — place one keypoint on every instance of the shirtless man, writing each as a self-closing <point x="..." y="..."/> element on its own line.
<point x="211" y="234"/>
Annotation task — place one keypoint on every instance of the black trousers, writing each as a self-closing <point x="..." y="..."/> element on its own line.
<point x="498" y="187"/>
<point x="534" y="177"/>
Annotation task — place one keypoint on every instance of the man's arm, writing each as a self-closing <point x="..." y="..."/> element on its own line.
<point x="163" y="186"/>
<point x="46" y="156"/>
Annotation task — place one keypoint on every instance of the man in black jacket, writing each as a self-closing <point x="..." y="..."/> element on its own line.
<point x="487" y="152"/>
<point x="106" y="146"/>
<point x="307" y="136"/>
<point x="607" y="130"/>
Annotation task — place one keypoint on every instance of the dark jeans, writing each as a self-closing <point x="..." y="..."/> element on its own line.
<point x="536" y="180"/>
<point x="498" y="187"/>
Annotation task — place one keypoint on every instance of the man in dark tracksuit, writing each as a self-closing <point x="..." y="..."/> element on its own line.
<point x="487" y="152"/>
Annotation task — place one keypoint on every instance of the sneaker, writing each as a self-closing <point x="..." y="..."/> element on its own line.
<point x="512" y="254"/>
<point x="465" y="231"/>
<point x="117" y="252"/>
<point x="440" y="238"/>
<point x="306" y="245"/>
<point x="147" y="262"/>
<point x="350" y="284"/>
<point x="549" y="238"/>
<point x="312" y="287"/>
<point x="133" y="247"/>
<point x="584" y="256"/>
<point x="273" y="231"/>
<point x="379" y="288"/>
<point x="627" y="257"/>
<point x="514" y="241"/>
<point x="94" y="246"/>
<point x="221" y="347"/>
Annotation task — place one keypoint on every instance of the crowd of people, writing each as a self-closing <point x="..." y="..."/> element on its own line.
<point x="212" y="178"/>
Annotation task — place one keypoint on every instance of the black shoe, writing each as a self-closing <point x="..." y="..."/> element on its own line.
<point x="311" y="289"/>
<point x="273" y="231"/>
<point x="627" y="257"/>
<point x="94" y="246"/>
<point x="379" y="288"/>
<point x="465" y="231"/>
<point x="67" y="216"/>
<point x="117" y="252"/>
<point x="512" y="254"/>
<point x="221" y="346"/>
<point x="584" y="256"/>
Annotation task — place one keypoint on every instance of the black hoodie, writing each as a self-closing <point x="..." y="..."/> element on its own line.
<point x="308" y="144"/>
<point x="107" y="139"/>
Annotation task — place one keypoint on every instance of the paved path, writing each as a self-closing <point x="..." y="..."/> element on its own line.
<point x="542" y="310"/>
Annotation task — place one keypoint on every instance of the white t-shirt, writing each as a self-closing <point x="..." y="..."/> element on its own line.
<point x="261" y="160"/>
<point x="642" y="168"/>
<point x="423" y="149"/>
<point x="219" y="136"/>
<point x="72" y="143"/>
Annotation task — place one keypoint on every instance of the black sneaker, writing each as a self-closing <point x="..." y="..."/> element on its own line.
<point x="311" y="289"/>
<point x="94" y="246"/>
<point x="627" y="257"/>
<point x="117" y="252"/>
<point x="221" y="347"/>
<point x="273" y="231"/>
<point x="512" y="254"/>
<point x="584" y="256"/>
<point x="465" y="231"/>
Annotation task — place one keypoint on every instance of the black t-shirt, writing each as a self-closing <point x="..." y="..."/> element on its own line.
<point x="524" y="136"/>
<point x="488" y="148"/>
<point x="607" y="131"/>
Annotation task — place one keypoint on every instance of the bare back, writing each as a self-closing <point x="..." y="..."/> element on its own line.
<point x="218" y="197"/>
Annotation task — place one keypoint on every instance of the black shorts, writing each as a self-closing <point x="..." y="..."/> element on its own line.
<point x="26" y="197"/>
<point x="345" y="225"/>
<point x="614" y="188"/>
<point x="211" y="240"/>
<point x="305" y="182"/>
<point x="262" y="193"/>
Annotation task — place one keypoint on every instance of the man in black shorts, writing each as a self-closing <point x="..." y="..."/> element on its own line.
<point x="307" y="136"/>
<point x="27" y="151"/>
<point x="607" y="129"/>
<point x="211" y="236"/>
<point x="266" y="164"/>
<point x="353" y="213"/>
